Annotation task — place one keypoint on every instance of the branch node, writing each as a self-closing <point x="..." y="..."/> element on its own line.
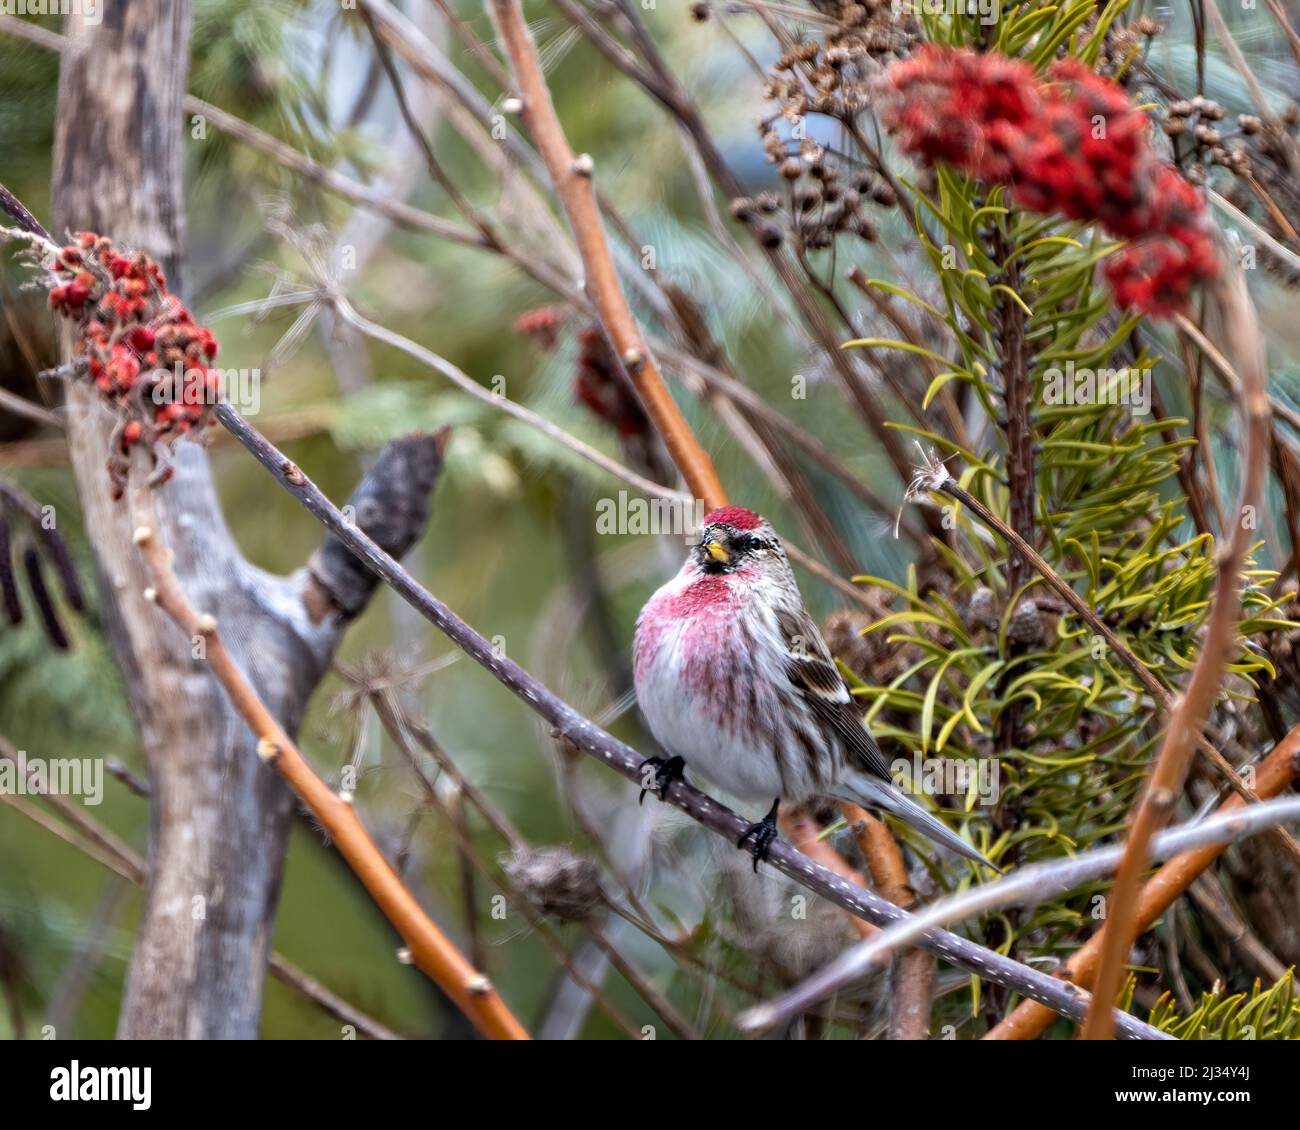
<point x="268" y="751"/>
<point x="478" y="985"/>
<point x="583" y="166"/>
<point x="142" y="535"/>
<point x="151" y="595"/>
<point x="293" y="474"/>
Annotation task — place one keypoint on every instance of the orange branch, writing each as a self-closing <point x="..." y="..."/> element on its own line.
<point x="1193" y="705"/>
<point x="912" y="977"/>
<point x="802" y="831"/>
<point x="572" y="178"/>
<point x="430" y="949"/>
<point x="1275" y="773"/>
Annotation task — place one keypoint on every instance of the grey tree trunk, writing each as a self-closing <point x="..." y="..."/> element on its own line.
<point x="219" y="818"/>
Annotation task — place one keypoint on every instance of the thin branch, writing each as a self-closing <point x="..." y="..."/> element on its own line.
<point x="116" y="856"/>
<point x="572" y="178"/>
<point x="405" y="732"/>
<point x="1029" y="886"/>
<point x="1192" y="707"/>
<point x="935" y="477"/>
<point x="608" y="750"/>
<point x="1274" y="775"/>
<point x="913" y="974"/>
<point x="512" y="408"/>
<point x="431" y="950"/>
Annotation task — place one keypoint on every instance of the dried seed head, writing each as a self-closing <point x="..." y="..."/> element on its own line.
<point x="1026" y="625"/>
<point x="743" y="209"/>
<point x="556" y="881"/>
<point x="982" y="609"/>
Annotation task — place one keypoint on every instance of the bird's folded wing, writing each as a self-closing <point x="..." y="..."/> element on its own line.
<point x="813" y="674"/>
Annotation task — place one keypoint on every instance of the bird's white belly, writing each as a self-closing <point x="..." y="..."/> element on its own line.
<point x="685" y="722"/>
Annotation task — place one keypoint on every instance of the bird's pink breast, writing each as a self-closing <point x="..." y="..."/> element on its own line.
<point x="694" y="637"/>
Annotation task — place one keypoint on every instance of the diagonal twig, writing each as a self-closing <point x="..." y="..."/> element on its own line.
<point x="431" y="950"/>
<point x="604" y="747"/>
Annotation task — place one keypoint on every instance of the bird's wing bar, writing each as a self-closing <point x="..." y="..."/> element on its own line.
<point x="812" y="672"/>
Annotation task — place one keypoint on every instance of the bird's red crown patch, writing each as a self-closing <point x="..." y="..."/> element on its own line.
<point x="736" y="516"/>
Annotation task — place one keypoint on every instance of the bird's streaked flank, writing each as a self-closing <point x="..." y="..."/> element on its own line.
<point x="735" y="681"/>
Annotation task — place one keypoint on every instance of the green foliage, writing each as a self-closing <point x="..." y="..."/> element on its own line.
<point x="1070" y="726"/>
<point x="1261" y="1014"/>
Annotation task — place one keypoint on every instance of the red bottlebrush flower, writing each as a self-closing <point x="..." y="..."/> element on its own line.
<point x="1071" y="144"/>
<point x="960" y="107"/>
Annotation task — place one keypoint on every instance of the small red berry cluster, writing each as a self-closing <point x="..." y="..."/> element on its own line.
<point x="1071" y="144"/>
<point x="140" y="345"/>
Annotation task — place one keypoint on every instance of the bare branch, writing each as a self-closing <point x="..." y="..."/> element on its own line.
<point x="608" y="750"/>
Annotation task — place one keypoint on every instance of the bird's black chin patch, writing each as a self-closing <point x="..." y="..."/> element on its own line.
<point x="711" y="565"/>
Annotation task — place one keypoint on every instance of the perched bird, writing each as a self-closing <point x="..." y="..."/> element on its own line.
<point x="734" y="679"/>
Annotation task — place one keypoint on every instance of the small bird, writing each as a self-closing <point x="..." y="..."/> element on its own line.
<point x="734" y="680"/>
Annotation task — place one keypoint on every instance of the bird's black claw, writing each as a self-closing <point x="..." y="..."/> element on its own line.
<point x="762" y="833"/>
<point x="667" y="770"/>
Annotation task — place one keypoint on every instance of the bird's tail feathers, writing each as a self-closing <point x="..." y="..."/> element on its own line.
<point x="871" y="793"/>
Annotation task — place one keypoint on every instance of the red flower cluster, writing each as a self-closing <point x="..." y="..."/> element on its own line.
<point x="140" y="345"/>
<point x="1071" y="144"/>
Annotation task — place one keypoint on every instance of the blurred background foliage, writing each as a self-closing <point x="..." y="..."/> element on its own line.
<point x="510" y="543"/>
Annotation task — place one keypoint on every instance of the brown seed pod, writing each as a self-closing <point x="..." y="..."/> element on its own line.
<point x="1026" y="626"/>
<point x="8" y="587"/>
<point x="56" y="550"/>
<point x="982" y="610"/>
<point x="41" y="596"/>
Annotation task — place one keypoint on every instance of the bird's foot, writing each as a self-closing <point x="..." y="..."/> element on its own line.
<point x="762" y="833"/>
<point x="666" y="771"/>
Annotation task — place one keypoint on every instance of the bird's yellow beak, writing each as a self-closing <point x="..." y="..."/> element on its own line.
<point x="714" y="549"/>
